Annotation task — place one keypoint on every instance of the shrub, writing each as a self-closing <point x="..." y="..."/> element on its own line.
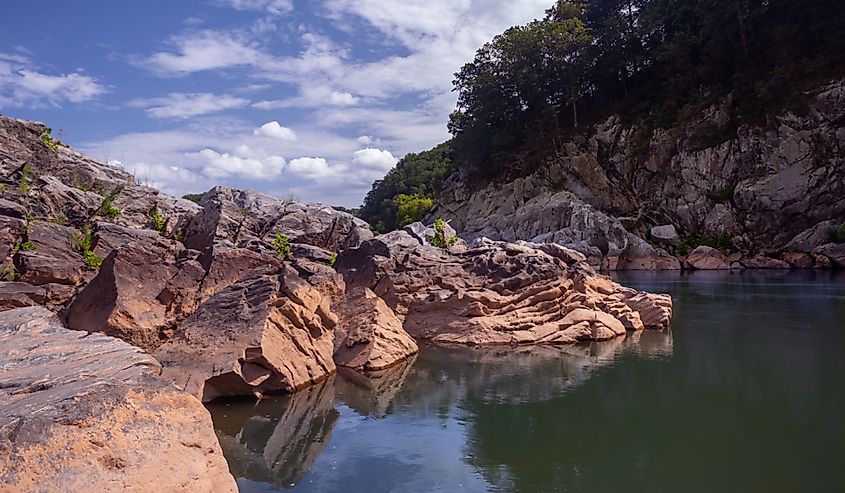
<point x="107" y="208"/>
<point x="9" y="272"/>
<point x="281" y="244"/>
<point x="838" y="234"/>
<point x="26" y="182"/>
<point x="333" y="258"/>
<point x="26" y="246"/>
<point x="83" y="242"/>
<point x="689" y="243"/>
<point x="439" y="239"/>
<point x="193" y="197"/>
<point x="50" y="141"/>
<point x="411" y="208"/>
<point x="157" y="220"/>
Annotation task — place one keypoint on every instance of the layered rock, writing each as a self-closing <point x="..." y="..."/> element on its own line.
<point x="268" y="332"/>
<point x="83" y="412"/>
<point x="761" y="187"/>
<point x="497" y="293"/>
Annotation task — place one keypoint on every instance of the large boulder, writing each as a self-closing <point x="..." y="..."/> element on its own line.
<point x="707" y="258"/>
<point x="53" y="258"/>
<point x="269" y="332"/>
<point x="369" y="336"/>
<point x="833" y="251"/>
<point x="82" y="412"/>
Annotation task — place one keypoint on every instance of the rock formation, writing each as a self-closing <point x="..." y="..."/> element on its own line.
<point x="83" y="412"/>
<point x="777" y="188"/>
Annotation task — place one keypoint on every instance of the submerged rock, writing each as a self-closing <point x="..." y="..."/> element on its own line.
<point x="82" y="412"/>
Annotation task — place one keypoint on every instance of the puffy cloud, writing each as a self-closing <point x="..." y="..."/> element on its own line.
<point x="311" y="167"/>
<point x="180" y="105"/>
<point x="374" y="159"/>
<point x="23" y="85"/>
<point x="203" y="50"/>
<point x="276" y="131"/>
<point x="225" y="165"/>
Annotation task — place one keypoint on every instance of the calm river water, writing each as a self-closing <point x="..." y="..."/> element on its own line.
<point x="746" y="393"/>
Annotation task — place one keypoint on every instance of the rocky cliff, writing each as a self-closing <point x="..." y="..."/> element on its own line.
<point x="242" y="294"/>
<point x="769" y="195"/>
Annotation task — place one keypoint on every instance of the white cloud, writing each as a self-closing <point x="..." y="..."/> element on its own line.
<point x="311" y="167"/>
<point x="276" y="131"/>
<point x="225" y="165"/>
<point x="374" y="159"/>
<point x="203" y="50"/>
<point x="23" y="85"/>
<point x="275" y="7"/>
<point x="181" y="105"/>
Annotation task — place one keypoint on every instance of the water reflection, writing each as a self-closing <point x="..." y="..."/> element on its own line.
<point x="276" y="442"/>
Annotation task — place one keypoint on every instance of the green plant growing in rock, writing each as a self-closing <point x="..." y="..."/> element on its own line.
<point x="3" y="187"/>
<point x="837" y="235"/>
<point x="107" y="208"/>
<point x="9" y="272"/>
<point x="83" y="242"/>
<point x="157" y="219"/>
<point x="722" y="195"/>
<point x="439" y="239"/>
<point x="60" y="219"/>
<point x="722" y="242"/>
<point x="26" y="182"/>
<point x="282" y="246"/>
<point x="333" y="259"/>
<point x="25" y="246"/>
<point x="51" y="142"/>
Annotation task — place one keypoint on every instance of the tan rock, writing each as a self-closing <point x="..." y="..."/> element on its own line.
<point x="764" y="262"/>
<point x="799" y="260"/>
<point x="369" y="336"/>
<point x="707" y="258"/>
<point x="268" y="332"/>
<point x="82" y="412"/>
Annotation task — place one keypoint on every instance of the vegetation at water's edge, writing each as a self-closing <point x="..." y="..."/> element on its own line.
<point x="722" y="242"/>
<point x="411" y="185"/>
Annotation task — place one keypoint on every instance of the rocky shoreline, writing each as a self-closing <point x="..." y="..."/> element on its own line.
<point x="125" y="309"/>
<point x="706" y="193"/>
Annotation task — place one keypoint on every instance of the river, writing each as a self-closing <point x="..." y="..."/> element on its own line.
<point x="746" y="392"/>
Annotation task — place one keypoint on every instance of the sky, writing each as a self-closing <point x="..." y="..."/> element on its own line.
<point x="305" y="99"/>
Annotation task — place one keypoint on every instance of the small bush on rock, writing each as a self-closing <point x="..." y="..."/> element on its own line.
<point x="281" y="244"/>
<point x="838" y="234"/>
<point x="83" y="242"/>
<point x="439" y="239"/>
<point x="157" y="220"/>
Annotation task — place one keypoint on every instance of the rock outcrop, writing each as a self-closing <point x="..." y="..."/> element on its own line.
<point x="83" y="412"/>
<point x="778" y="188"/>
<point x="497" y="293"/>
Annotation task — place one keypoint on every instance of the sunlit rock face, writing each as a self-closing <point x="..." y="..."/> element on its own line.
<point x="83" y="411"/>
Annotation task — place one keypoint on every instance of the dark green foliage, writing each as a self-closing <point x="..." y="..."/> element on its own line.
<point x="26" y="246"/>
<point x="354" y="211"/>
<point x="657" y="62"/>
<point x="439" y="239"/>
<point x="838" y="234"/>
<point x="193" y="197"/>
<point x="722" y="195"/>
<point x="83" y="243"/>
<point x="689" y="243"/>
<point x="107" y="208"/>
<point x="414" y="175"/>
<point x="282" y="246"/>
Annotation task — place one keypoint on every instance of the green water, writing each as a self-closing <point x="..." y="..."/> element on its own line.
<point x="746" y="394"/>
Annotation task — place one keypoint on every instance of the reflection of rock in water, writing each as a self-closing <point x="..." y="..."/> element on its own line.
<point x="443" y="375"/>
<point x="276" y="440"/>
<point x="371" y="394"/>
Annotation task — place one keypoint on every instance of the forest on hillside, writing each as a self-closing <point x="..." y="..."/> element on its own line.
<point x="654" y="62"/>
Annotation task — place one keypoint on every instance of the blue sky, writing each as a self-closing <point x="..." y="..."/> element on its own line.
<point x="307" y="98"/>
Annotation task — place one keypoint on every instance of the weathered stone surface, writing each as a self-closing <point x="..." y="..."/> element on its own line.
<point x="833" y="251"/>
<point x="707" y="258"/>
<point x="237" y="218"/>
<point x="11" y="230"/>
<point x="121" y="300"/>
<point x="369" y="336"/>
<point x="54" y="258"/>
<point x="109" y="237"/>
<point x="494" y="293"/>
<point x="641" y="256"/>
<point x="666" y="234"/>
<point x="762" y="187"/>
<point x="21" y="294"/>
<point x="764" y="262"/>
<point x="799" y="260"/>
<point x="82" y="412"/>
<point x="268" y="332"/>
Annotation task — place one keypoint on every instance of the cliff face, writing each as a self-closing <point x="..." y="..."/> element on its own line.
<point x="759" y="187"/>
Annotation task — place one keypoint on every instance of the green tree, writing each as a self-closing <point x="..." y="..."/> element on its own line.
<point x="411" y="208"/>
